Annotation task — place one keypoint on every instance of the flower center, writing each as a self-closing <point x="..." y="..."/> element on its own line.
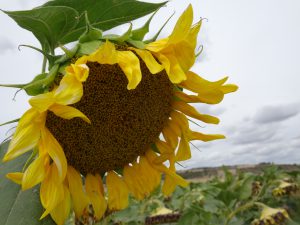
<point x="124" y="122"/>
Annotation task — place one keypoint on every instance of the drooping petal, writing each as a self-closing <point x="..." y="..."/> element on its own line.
<point x="169" y="183"/>
<point x="184" y="152"/>
<point x="68" y="112"/>
<point x="35" y="173"/>
<point x="172" y="67"/>
<point x="51" y="191"/>
<point x="117" y="192"/>
<point x="42" y="102"/>
<point x="27" y="134"/>
<point x="170" y="136"/>
<point x="62" y="211"/>
<point x="141" y="178"/>
<point x="69" y="91"/>
<point x="192" y="112"/>
<point x="130" y="65"/>
<point x="93" y="190"/>
<point x="54" y="149"/>
<point x="106" y="54"/>
<point x="79" y="198"/>
<point x="15" y="177"/>
<point x="80" y="71"/>
<point x="163" y="147"/>
<point x="208" y="92"/>
<point x="151" y="157"/>
<point x="153" y="66"/>
<point x="181" y="121"/>
<point x="205" y="137"/>
<point x="132" y="179"/>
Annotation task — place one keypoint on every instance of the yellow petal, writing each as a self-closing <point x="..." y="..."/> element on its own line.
<point x="106" y="54"/>
<point x="228" y="88"/>
<point x="117" y="192"/>
<point x="27" y="134"/>
<point x="208" y="92"/>
<point x="79" y="198"/>
<point x="192" y="112"/>
<point x="184" y="151"/>
<point x="15" y="177"/>
<point x="151" y="157"/>
<point x="42" y="102"/>
<point x="172" y="67"/>
<point x="80" y="71"/>
<point x="153" y="66"/>
<point x="182" y="26"/>
<point x="68" y="112"/>
<point x="151" y="176"/>
<point x="51" y="145"/>
<point x="51" y="191"/>
<point x="35" y="173"/>
<point x="141" y="178"/>
<point x="185" y="55"/>
<point x="181" y="121"/>
<point x="130" y="65"/>
<point x="158" y="45"/>
<point x="69" y="91"/>
<point x="191" y="38"/>
<point x="132" y="179"/>
<point x="163" y="147"/>
<point x="93" y="189"/>
<point x="170" y="136"/>
<point x="205" y="137"/>
<point x="62" y="211"/>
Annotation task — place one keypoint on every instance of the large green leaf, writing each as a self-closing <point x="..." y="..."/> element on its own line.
<point x="49" y="24"/>
<point x="104" y="14"/>
<point x="18" y="207"/>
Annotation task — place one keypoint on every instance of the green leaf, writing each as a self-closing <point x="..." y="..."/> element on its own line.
<point x="245" y="190"/>
<point x="48" y="24"/>
<point x="88" y="47"/>
<point x="104" y="14"/>
<point x="18" y="207"/>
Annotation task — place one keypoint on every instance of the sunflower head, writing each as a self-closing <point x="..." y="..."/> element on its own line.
<point x="271" y="216"/>
<point x="115" y="114"/>
<point x="285" y="189"/>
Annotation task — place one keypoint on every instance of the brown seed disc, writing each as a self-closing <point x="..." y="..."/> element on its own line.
<point x="124" y="122"/>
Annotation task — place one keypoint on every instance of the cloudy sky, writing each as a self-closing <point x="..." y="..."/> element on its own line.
<point x="255" y="42"/>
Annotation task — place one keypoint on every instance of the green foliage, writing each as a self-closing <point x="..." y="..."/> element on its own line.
<point x="17" y="206"/>
<point x="60" y="22"/>
<point x="222" y="201"/>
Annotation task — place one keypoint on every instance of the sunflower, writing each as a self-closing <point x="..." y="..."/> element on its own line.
<point x="103" y="118"/>
<point x="272" y="216"/>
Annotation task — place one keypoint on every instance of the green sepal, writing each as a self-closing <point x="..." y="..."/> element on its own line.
<point x="51" y="58"/>
<point x="69" y="54"/>
<point x="42" y="82"/>
<point x="9" y="122"/>
<point x="88" y="47"/>
<point x="158" y="33"/>
<point x="119" y="38"/>
<point x="91" y="33"/>
<point x="140" y="33"/>
<point x="39" y="84"/>
<point x="137" y="44"/>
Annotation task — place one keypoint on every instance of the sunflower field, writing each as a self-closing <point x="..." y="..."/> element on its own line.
<point x="271" y="197"/>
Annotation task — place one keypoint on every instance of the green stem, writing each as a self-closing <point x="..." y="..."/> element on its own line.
<point x="239" y="209"/>
<point x="44" y="64"/>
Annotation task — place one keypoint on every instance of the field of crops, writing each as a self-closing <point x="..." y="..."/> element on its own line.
<point x="272" y="197"/>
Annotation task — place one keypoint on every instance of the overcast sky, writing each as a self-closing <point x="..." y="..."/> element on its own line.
<point x="256" y="43"/>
